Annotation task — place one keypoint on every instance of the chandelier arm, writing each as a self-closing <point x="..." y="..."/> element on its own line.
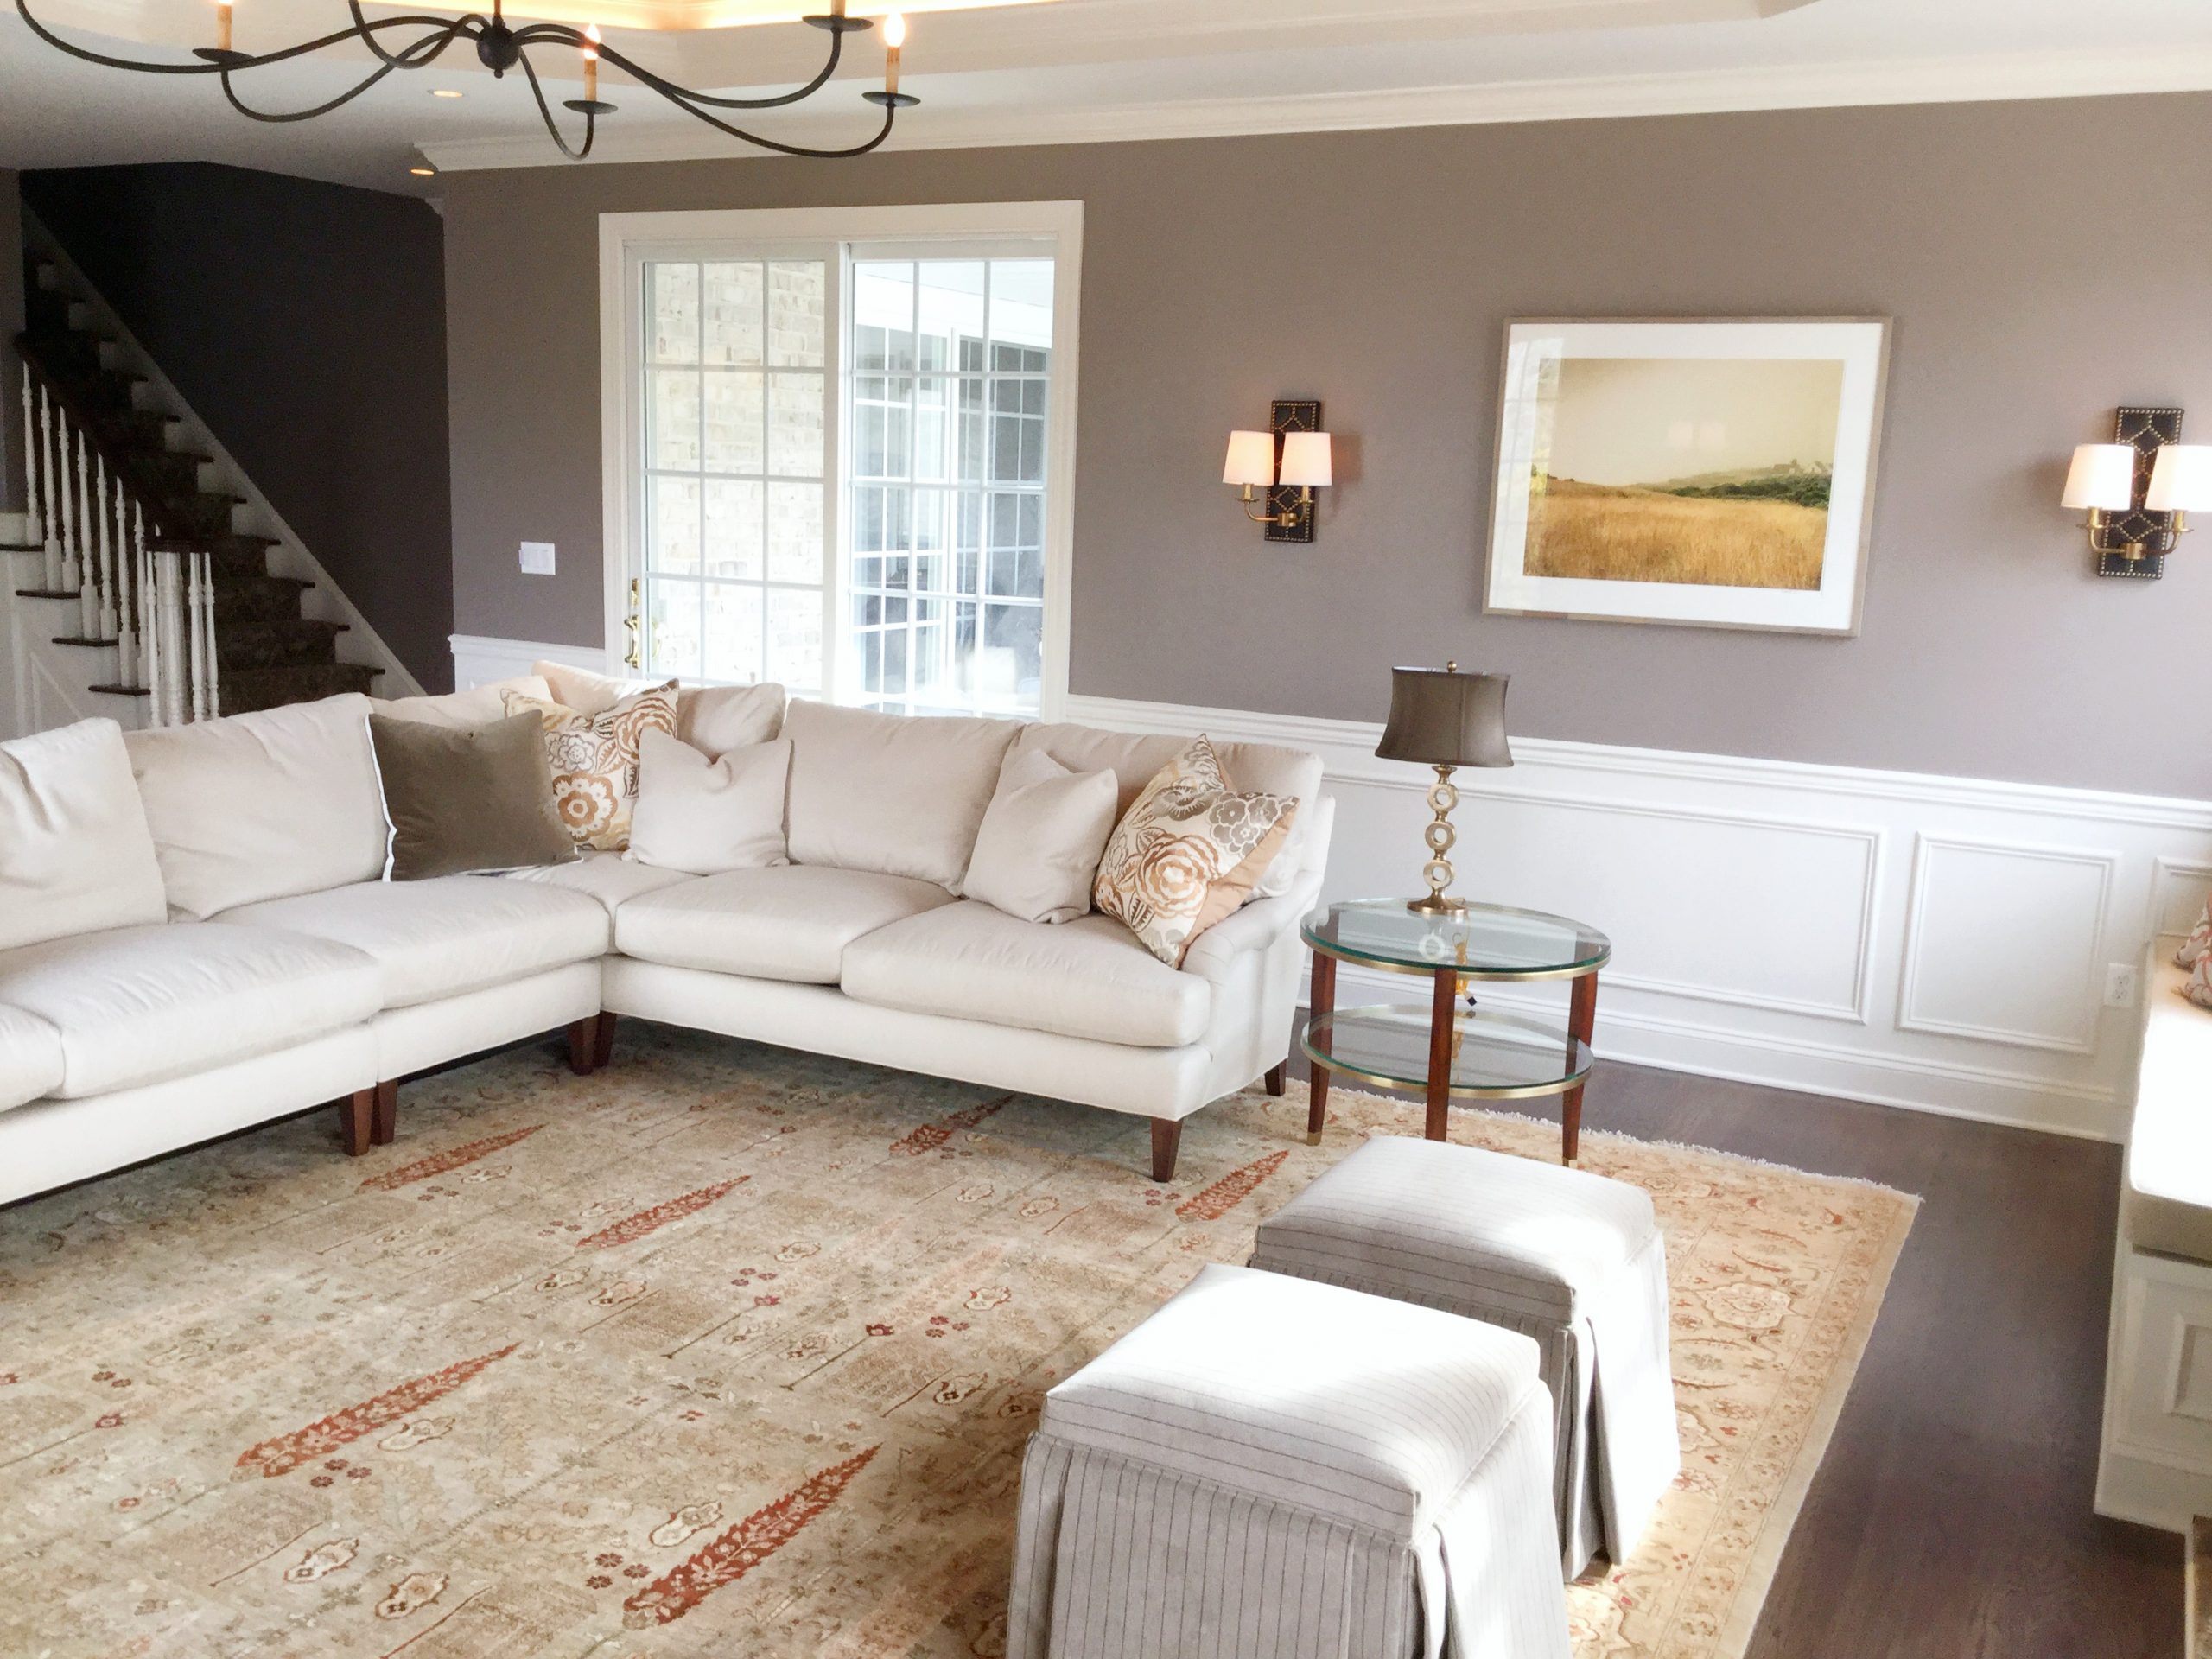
<point x="365" y="33"/>
<point x="412" y="56"/>
<point x="670" y="89"/>
<point x="545" y="113"/>
<point x="462" y="25"/>
<point x="278" y="117"/>
<point x="681" y="102"/>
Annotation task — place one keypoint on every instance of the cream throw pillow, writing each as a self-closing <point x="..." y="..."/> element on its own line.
<point x="594" y="760"/>
<point x="1037" y="852"/>
<point x="705" y="816"/>
<point x="75" y="855"/>
<point x="712" y="719"/>
<point x="1188" y="852"/>
<point x="464" y="711"/>
<point x="2198" y="944"/>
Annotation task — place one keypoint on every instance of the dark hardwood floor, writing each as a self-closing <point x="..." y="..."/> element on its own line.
<point x="1951" y="1517"/>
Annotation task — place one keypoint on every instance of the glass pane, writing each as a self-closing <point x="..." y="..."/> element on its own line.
<point x="733" y="529"/>
<point x="672" y="314"/>
<point x="736" y="414"/>
<point x="1013" y="653"/>
<point x="798" y="308"/>
<point x="672" y="420"/>
<point x="795" y="425"/>
<point x="672" y="626"/>
<point x="967" y="446"/>
<point x="795" y="532"/>
<point x="935" y="428"/>
<point x="795" y="638"/>
<point x="883" y="315"/>
<point x="951" y="295"/>
<point x="734" y="645"/>
<point x="734" y="316"/>
<point x="1021" y="306"/>
<point x="672" y="527"/>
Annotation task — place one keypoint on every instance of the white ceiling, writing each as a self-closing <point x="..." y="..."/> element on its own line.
<point x="1079" y="71"/>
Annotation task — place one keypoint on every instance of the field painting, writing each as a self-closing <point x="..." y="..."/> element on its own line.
<point x="1709" y="471"/>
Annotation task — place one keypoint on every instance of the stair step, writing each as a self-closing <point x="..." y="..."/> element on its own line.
<point x="269" y="687"/>
<point x="296" y="641"/>
<point x="120" y="690"/>
<point x="247" y="599"/>
<point x="69" y="594"/>
<point x="92" y="645"/>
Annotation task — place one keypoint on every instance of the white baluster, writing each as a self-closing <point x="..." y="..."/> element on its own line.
<point x="195" y="598"/>
<point x="53" y="442"/>
<point x="34" y="521"/>
<point x="88" y="573"/>
<point x="178" y="649"/>
<point x="72" y="553"/>
<point x="126" y="605"/>
<point x="110" y="490"/>
<point x="214" y="658"/>
<point x="149" y="633"/>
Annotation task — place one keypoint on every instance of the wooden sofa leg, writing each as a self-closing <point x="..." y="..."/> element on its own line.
<point x="583" y="1046"/>
<point x="383" y="1117"/>
<point x="602" y="1045"/>
<point x="1278" y="1078"/>
<point x="1166" y="1140"/>
<point x="355" y="1119"/>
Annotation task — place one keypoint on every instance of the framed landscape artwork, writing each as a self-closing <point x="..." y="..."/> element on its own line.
<point x="1710" y="473"/>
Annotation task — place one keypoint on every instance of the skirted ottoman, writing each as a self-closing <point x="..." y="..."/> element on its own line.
<point x="1272" y="1469"/>
<point x="1574" y="1259"/>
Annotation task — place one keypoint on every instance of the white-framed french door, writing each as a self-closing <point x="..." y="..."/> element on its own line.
<point x="797" y="489"/>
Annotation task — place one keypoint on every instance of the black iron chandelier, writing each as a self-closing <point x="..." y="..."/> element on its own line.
<point x="501" y="47"/>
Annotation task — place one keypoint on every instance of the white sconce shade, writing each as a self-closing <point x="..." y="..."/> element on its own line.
<point x="1251" y="459"/>
<point x="1304" y="458"/>
<point x="2180" y="478"/>
<point x="2101" y="477"/>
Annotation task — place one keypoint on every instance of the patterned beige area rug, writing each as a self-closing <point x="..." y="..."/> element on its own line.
<point x="733" y="1351"/>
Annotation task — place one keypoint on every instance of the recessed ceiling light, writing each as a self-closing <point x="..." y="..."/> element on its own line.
<point x="445" y="92"/>
<point x="424" y="172"/>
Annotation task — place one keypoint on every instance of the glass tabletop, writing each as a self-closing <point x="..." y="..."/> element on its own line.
<point x="1486" y="941"/>
<point x="1495" y="1056"/>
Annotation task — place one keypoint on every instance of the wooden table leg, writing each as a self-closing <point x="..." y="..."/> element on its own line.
<point x="1443" y="1026"/>
<point x="1322" y="997"/>
<point x="1582" y="1013"/>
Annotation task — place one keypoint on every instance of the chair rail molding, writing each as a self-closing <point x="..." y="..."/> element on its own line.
<point x="478" y="658"/>
<point x="1837" y="929"/>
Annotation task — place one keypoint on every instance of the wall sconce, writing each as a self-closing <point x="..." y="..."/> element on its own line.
<point x="1289" y="460"/>
<point x="2138" y="490"/>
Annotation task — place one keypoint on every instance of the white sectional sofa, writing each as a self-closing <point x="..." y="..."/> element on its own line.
<point x="277" y="969"/>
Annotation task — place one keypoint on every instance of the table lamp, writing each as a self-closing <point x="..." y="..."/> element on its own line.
<point x="1444" y="719"/>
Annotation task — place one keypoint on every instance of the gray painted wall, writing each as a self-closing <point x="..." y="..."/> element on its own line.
<point x="2039" y="270"/>
<point x="305" y="323"/>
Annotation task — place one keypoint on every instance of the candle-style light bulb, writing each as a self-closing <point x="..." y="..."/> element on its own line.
<point x="894" y="36"/>
<point x="223" y="25"/>
<point x="591" y="63"/>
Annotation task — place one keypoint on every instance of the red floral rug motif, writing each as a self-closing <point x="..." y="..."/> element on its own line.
<point x="741" y="1548"/>
<point x="439" y="1162"/>
<point x="931" y="1136"/>
<point x="660" y="1215"/>
<point x="1231" y="1190"/>
<point x="287" y="1452"/>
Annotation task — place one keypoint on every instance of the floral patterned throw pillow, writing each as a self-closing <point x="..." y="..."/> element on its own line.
<point x="2198" y="989"/>
<point x="2198" y="944"/>
<point x="594" y="760"/>
<point x="1188" y="852"/>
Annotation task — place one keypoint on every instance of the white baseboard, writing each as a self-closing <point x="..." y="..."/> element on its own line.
<point x="1903" y="938"/>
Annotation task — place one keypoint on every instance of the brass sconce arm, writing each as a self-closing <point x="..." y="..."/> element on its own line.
<point x="1287" y="519"/>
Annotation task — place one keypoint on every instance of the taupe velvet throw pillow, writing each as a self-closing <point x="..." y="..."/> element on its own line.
<point x="468" y="800"/>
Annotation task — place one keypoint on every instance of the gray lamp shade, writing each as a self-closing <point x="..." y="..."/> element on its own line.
<point x="1440" y="717"/>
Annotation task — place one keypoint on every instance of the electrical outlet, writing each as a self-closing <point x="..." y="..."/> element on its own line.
<point x="2119" y="985"/>
<point x="537" y="558"/>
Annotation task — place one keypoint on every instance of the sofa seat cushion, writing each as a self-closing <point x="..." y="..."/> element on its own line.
<point x="614" y="879"/>
<point x="141" y="1005"/>
<point x="30" y="1057"/>
<point x="453" y="934"/>
<point x="792" y="923"/>
<point x="1090" y="977"/>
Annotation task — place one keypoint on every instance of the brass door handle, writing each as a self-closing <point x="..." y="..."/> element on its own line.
<point x="631" y="655"/>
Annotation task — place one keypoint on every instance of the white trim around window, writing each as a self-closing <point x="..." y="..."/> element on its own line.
<point x="627" y="241"/>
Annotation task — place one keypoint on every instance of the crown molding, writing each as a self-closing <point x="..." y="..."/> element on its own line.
<point x="1747" y="87"/>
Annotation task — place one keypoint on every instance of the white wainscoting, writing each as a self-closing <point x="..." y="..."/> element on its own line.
<point x="1920" y="941"/>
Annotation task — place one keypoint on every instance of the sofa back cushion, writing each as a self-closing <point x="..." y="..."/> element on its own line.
<point x="262" y="805"/>
<point x="479" y="706"/>
<point x="712" y="719"/>
<point x="1252" y="768"/>
<point x="75" y="856"/>
<point x="893" y="794"/>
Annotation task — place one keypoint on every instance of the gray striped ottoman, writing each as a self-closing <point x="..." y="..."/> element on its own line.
<point x="1272" y="1469"/>
<point x="1574" y="1259"/>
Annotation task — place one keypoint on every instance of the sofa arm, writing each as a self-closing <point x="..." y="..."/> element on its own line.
<point x="1255" y="927"/>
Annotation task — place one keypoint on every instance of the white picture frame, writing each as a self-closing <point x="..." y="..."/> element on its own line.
<point x="1650" y="389"/>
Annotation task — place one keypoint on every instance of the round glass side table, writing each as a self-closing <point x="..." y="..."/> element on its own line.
<point x="1450" y="1052"/>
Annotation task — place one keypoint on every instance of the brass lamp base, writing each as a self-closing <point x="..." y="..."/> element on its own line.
<point x="1440" y="836"/>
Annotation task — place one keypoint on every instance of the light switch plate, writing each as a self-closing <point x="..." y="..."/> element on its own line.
<point x="537" y="558"/>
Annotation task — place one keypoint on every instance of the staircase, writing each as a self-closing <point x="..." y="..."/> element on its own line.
<point x="269" y="646"/>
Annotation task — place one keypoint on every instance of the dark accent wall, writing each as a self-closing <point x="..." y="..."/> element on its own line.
<point x="11" y="324"/>
<point x="305" y="323"/>
<point x="1376" y="270"/>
